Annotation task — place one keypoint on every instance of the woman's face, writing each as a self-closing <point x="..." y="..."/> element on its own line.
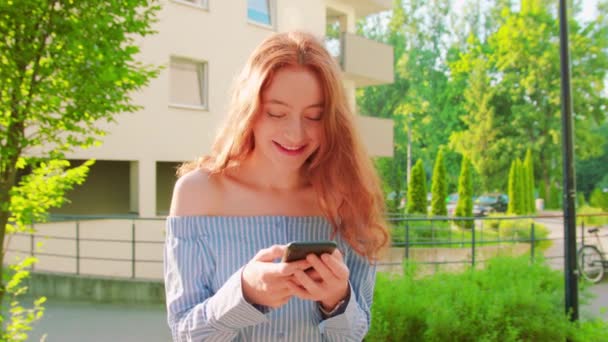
<point x="288" y="128"/>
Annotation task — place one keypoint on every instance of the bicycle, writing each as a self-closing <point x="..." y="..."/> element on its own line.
<point x="592" y="261"/>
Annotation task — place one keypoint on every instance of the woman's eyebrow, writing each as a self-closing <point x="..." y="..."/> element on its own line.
<point x="274" y="101"/>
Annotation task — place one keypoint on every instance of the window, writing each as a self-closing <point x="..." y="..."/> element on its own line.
<point x="260" y="11"/>
<point x="196" y="3"/>
<point x="188" y="83"/>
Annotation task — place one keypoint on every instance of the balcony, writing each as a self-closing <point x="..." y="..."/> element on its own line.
<point x="377" y="135"/>
<point x="364" y="8"/>
<point x="362" y="60"/>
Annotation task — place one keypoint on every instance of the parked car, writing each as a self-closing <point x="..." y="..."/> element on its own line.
<point x="490" y="203"/>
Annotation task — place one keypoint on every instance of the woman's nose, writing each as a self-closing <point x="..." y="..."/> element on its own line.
<point x="294" y="130"/>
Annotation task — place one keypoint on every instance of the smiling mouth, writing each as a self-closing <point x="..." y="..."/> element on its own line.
<point x="290" y="150"/>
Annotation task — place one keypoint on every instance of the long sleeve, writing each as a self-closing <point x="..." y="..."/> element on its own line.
<point x="194" y="312"/>
<point x="353" y="323"/>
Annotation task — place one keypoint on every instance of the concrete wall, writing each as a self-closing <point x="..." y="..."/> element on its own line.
<point x="95" y="289"/>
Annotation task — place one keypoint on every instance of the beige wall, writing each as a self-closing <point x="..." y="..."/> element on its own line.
<point x="222" y="37"/>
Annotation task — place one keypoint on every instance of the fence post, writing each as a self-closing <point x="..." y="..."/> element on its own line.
<point x="533" y="242"/>
<point x="407" y="239"/>
<point x="133" y="249"/>
<point x="472" y="244"/>
<point x="77" y="247"/>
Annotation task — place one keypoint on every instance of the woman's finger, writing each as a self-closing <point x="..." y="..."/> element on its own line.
<point x="299" y="291"/>
<point x="271" y="253"/>
<point x="336" y="266"/>
<point x="313" y="274"/>
<point x="324" y="272"/>
<point x="307" y="283"/>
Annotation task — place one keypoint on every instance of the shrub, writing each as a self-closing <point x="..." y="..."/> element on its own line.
<point x="421" y="230"/>
<point x="510" y="300"/>
<point x="599" y="199"/>
<point x="591" y="220"/>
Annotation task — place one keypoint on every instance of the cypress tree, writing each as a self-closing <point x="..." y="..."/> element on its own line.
<point x="439" y="188"/>
<point x="512" y="191"/>
<point x="464" y="208"/>
<point x="521" y="188"/>
<point x="529" y="167"/>
<point x="416" y="194"/>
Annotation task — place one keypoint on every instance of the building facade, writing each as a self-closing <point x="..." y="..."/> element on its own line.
<point x="202" y="46"/>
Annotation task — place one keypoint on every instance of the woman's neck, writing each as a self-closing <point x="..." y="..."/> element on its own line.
<point x="256" y="172"/>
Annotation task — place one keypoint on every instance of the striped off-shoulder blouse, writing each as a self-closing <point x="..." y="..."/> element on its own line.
<point x="204" y="256"/>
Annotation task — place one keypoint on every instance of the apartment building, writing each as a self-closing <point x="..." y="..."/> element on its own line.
<point x="202" y="45"/>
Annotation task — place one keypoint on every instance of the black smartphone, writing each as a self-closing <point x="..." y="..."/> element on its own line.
<point x="300" y="249"/>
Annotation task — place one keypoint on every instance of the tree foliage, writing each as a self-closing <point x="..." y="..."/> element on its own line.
<point x="67" y="68"/>
<point x="439" y="190"/>
<point x="416" y="195"/>
<point x="464" y="207"/>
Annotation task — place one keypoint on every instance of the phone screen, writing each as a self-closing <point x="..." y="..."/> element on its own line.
<point x="300" y="249"/>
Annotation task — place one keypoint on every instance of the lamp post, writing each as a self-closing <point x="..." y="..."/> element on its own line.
<point x="569" y="192"/>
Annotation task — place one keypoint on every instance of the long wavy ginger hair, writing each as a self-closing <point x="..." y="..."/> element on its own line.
<point x="340" y="171"/>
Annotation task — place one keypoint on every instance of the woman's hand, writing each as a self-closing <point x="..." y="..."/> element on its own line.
<point x="326" y="282"/>
<point x="265" y="282"/>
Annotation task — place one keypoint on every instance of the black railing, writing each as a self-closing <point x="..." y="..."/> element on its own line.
<point x="409" y="233"/>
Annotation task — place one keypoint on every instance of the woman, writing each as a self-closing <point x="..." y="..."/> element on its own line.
<point x="287" y="166"/>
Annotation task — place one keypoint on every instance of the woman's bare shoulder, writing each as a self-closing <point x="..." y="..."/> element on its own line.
<point x="195" y="193"/>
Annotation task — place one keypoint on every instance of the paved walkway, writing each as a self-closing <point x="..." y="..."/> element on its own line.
<point x="79" y="322"/>
<point x="598" y="306"/>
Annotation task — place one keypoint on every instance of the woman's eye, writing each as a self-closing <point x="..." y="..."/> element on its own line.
<point x="275" y="115"/>
<point x="314" y="118"/>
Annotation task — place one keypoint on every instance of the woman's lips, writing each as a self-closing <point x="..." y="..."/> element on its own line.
<point x="290" y="150"/>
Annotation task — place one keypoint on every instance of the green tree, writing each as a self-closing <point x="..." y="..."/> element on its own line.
<point x="416" y="195"/>
<point x="529" y="169"/>
<point x="66" y="67"/>
<point x="522" y="66"/>
<point x="464" y="207"/>
<point x="420" y="97"/>
<point x="521" y="186"/>
<point x="591" y="171"/>
<point x="555" y="196"/>
<point x="478" y="140"/>
<point x="439" y="190"/>
<point x="512" y="190"/>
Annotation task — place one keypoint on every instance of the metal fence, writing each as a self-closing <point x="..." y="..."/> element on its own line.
<point x="131" y="247"/>
<point x="482" y="237"/>
<point x="134" y="242"/>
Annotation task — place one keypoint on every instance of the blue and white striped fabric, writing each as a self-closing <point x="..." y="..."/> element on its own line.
<point x="204" y="256"/>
